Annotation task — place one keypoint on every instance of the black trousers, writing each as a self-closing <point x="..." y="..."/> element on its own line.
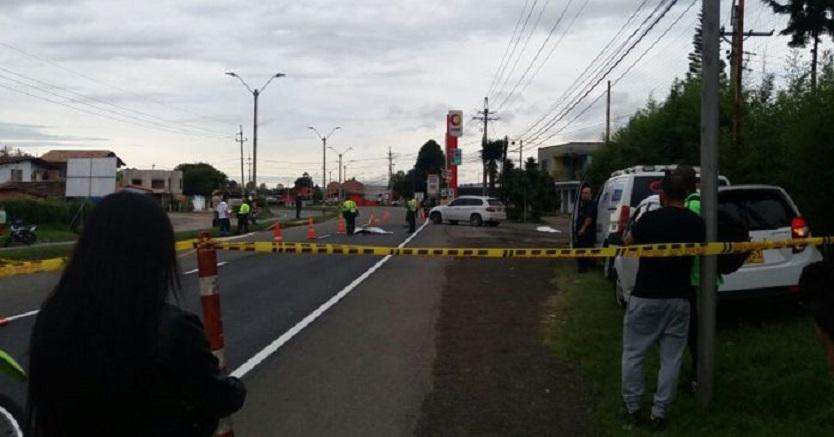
<point x="350" y="222"/>
<point x="243" y="224"/>
<point x="584" y="264"/>
<point x="411" y="216"/>
<point x="298" y="211"/>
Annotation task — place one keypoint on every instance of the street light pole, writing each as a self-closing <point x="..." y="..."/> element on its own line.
<point x="341" y="193"/>
<point x="324" y="155"/>
<point x="255" y="93"/>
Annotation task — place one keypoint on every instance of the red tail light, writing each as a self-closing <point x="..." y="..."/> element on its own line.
<point x="794" y="289"/>
<point x="799" y="229"/>
<point x="491" y="209"/>
<point x="625" y="214"/>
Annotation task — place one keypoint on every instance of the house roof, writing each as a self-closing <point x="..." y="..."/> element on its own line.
<point x="353" y="187"/>
<point x="576" y="147"/>
<point x="16" y="159"/>
<point x="61" y="156"/>
<point x="38" y="189"/>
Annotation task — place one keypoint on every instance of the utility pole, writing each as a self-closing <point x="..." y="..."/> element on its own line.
<point x="241" y="140"/>
<point x="608" y="114"/>
<point x="486" y="118"/>
<point x="255" y="93"/>
<point x="249" y="165"/>
<point x="391" y="174"/>
<point x="709" y="196"/>
<point x="341" y="168"/>
<point x="520" y="156"/>
<point x="737" y="62"/>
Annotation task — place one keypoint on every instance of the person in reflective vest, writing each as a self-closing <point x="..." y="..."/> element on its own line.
<point x="349" y="212"/>
<point x="243" y="218"/>
<point x="411" y="214"/>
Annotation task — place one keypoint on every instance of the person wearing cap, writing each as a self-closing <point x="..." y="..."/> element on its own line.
<point x="658" y="310"/>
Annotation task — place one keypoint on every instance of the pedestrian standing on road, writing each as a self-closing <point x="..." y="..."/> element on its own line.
<point x="411" y="214"/>
<point x="586" y="226"/>
<point x="109" y="354"/>
<point x="658" y="310"/>
<point x="298" y="204"/>
<point x="223" y="219"/>
<point x="243" y="218"/>
<point x="350" y="212"/>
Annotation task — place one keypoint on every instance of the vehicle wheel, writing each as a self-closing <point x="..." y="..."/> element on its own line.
<point x="476" y="220"/>
<point x="619" y="293"/>
<point x="436" y="218"/>
<point x="11" y="418"/>
<point x="453" y="222"/>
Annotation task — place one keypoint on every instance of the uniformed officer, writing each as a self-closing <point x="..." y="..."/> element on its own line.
<point x="349" y="212"/>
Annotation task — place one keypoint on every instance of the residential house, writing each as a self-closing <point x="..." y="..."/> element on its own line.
<point x="26" y="169"/>
<point x="164" y="185"/>
<point x="59" y="158"/>
<point x="566" y="164"/>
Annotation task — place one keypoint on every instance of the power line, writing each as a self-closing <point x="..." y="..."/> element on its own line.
<point x="524" y="47"/>
<point x="582" y="76"/>
<point x="507" y="49"/>
<point x="556" y="118"/>
<point x="515" y="45"/>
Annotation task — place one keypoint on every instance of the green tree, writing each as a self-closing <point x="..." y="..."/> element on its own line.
<point x="201" y="179"/>
<point x="492" y="153"/>
<point x="305" y="181"/>
<point x="430" y="160"/>
<point x="402" y="184"/>
<point x="809" y="20"/>
<point x="527" y="190"/>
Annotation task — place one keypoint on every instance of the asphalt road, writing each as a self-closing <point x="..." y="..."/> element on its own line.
<point x="363" y="367"/>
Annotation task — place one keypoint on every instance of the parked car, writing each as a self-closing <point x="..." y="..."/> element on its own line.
<point x="618" y="198"/>
<point x="770" y="215"/>
<point x="476" y="210"/>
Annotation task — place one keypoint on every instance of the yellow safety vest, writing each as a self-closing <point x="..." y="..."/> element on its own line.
<point x="244" y="209"/>
<point x="349" y="206"/>
<point x="412" y="205"/>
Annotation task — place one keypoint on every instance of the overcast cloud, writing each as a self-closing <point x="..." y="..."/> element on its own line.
<point x="146" y="79"/>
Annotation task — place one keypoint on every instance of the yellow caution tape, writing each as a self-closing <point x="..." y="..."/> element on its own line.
<point x="9" y="268"/>
<point x="646" y="250"/>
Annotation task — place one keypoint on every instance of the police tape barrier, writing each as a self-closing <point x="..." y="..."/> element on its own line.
<point x="9" y="268"/>
<point x="646" y="250"/>
<point x="14" y="267"/>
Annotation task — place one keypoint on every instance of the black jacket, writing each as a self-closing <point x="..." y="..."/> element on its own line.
<point x="193" y="393"/>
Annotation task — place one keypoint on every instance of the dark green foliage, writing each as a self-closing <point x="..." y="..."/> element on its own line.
<point x="787" y="139"/>
<point x="430" y="160"/>
<point x="491" y="154"/>
<point x="529" y="187"/>
<point x="809" y="20"/>
<point x="402" y="184"/>
<point x="201" y="179"/>
<point x="39" y="211"/>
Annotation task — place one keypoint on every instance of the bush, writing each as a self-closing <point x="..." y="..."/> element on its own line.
<point x="39" y="211"/>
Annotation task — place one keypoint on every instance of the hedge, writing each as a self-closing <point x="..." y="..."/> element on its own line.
<point x="38" y="211"/>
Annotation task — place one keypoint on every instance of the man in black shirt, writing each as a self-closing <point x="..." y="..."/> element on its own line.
<point x="585" y="226"/>
<point x="658" y="310"/>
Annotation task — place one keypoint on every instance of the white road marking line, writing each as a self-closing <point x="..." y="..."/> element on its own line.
<point x="271" y="348"/>
<point x="236" y="237"/>
<point x="221" y="263"/>
<point x="324" y="236"/>
<point x="20" y="316"/>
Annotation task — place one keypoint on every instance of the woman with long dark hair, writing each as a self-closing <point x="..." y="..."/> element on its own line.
<point x="109" y="354"/>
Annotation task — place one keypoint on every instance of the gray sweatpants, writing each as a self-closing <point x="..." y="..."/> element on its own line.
<point x="650" y="321"/>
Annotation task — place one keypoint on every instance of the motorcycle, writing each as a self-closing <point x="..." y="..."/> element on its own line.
<point x="21" y="233"/>
<point x="11" y="414"/>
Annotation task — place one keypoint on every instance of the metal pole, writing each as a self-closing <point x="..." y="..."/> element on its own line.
<point x="709" y="198"/>
<point x="242" y="180"/>
<point x="608" y="114"/>
<point x="255" y="93"/>
<point x="323" y="169"/>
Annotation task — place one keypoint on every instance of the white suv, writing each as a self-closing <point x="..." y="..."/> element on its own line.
<point x="618" y="198"/>
<point x="476" y="210"/>
<point x="770" y="215"/>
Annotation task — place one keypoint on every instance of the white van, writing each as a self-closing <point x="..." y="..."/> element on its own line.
<point x="770" y="215"/>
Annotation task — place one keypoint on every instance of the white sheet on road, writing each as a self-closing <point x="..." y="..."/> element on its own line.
<point x="548" y="229"/>
<point x="371" y="230"/>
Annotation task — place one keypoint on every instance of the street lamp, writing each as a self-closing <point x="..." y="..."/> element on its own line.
<point x="255" y="92"/>
<point x="324" y="154"/>
<point x="340" y="165"/>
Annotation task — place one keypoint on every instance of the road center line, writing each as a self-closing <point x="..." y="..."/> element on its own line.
<point x="7" y="320"/>
<point x="271" y="348"/>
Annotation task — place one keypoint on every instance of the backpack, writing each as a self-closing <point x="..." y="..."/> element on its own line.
<point x="733" y="231"/>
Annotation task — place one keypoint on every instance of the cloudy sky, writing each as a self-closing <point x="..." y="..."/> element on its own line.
<point x="146" y="79"/>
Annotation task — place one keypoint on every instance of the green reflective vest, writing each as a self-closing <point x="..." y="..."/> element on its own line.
<point x="244" y="209"/>
<point x="411" y="205"/>
<point x="349" y="206"/>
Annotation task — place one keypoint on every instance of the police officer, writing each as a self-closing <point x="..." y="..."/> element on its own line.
<point x="411" y="213"/>
<point x="349" y="212"/>
<point x="243" y="218"/>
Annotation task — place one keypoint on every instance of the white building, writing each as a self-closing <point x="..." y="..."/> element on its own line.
<point x="26" y="169"/>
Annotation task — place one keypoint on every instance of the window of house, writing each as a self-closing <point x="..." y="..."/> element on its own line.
<point x="158" y="184"/>
<point x="137" y="182"/>
<point x="17" y="175"/>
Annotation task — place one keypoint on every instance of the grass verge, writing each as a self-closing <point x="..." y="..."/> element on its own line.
<point x="770" y="379"/>
<point x="30" y="253"/>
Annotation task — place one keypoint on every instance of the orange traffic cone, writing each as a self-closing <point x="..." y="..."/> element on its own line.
<point x="311" y="231"/>
<point x="342" y="230"/>
<point x="372" y="221"/>
<point x="277" y="236"/>
<point x="422" y="214"/>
